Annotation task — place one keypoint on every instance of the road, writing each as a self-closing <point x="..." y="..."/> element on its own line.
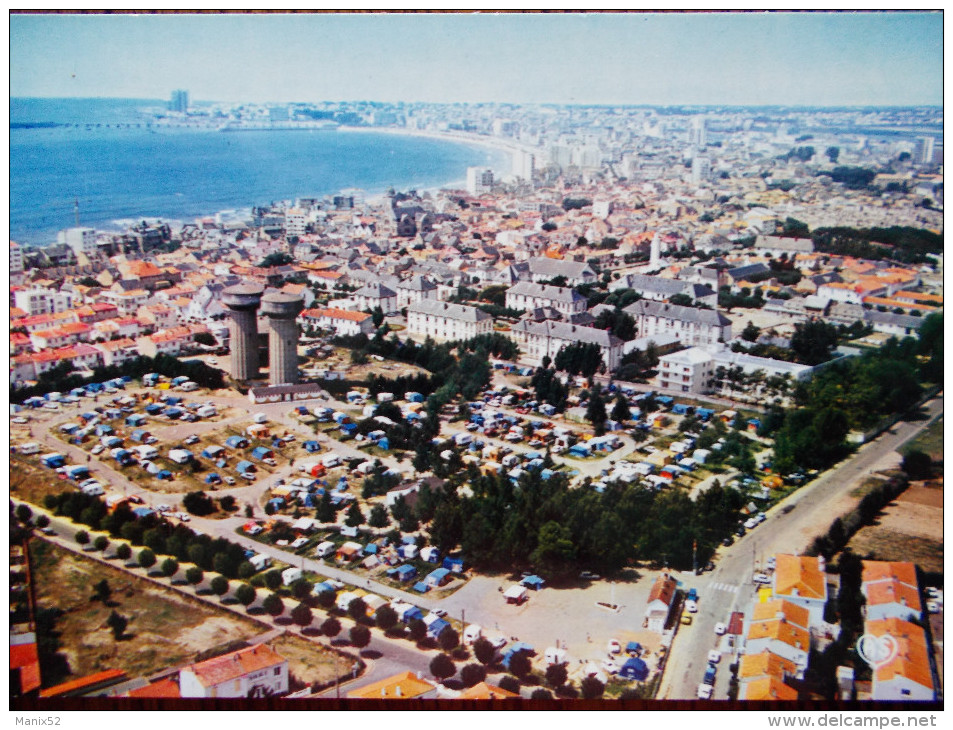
<point x="790" y="527"/>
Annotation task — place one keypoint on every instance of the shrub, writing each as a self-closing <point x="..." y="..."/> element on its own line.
<point x="245" y="594"/>
<point x="541" y="694"/>
<point x="556" y="675"/>
<point x="169" y="567"/>
<point x="219" y="585"/>
<point x="147" y="558"/>
<point x="331" y="627"/>
<point x="123" y="552"/>
<point x="82" y="537"/>
<point x="484" y="651"/>
<point x="100" y="543"/>
<point x="592" y="688"/>
<point x="301" y="615"/>
<point x="274" y="605"/>
<point x="509" y="683"/>
<point x="385" y="618"/>
<point x="194" y="575"/>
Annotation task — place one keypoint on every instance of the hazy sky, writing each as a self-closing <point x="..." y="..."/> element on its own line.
<point x="741" y="58"/>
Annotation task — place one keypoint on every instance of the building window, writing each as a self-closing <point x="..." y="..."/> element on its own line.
<point x="277" y="671"/>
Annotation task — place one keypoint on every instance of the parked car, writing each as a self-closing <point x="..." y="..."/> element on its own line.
<point x="686" y="619"/>
<point x="614" y="647"/>
<point x="193" y="439"/>
<point x="720" y="629"/>
<point x="587" y="575"/>
<point x="714" y="656"/>
<point x="704" y="691"/>
<point x="691" y="606"/>
<point x="19" y="419"/>
<point x="229" y="480"/>
<point x="163" y="508"/>
<point x="751" y="523"/>
<point x="761" y="578"/>
<point x="97" y="449"/>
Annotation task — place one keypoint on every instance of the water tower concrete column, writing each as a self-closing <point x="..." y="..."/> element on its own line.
<point x="242" y="302"/>
<point x="282" y="311"/>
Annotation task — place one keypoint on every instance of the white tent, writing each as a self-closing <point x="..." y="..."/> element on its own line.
<point x="555" y="656"/>
<point x="515" y="593"/>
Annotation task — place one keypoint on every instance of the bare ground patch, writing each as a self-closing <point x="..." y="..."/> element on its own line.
<point x="164" y="630"/>
<point x="308" y="661"/>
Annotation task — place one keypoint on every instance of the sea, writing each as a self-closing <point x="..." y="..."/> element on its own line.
<point x="108" y="157"/>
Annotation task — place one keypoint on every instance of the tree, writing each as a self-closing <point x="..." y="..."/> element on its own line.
<point x="473" y="674"/>
<point x="301" y="589"/>
<point x="555" y="552"/>
<point x="484" y="651"/>
<point x="273" y="579"/>
<point x="917" y="465"/>
<point x="198" y="503"/>
<point x="24" y="513"/>
<point x="556" y="675"/>
<point x="326" y="599"/>
<point x="510" y="684"/>
<point x="123" y="552"/>
<point x="620" y="409"/>
<point x="386" y="618"/>
<point x="592" y="688"/>
<point x="100" y="543"/>
<point x="245" y="594"/>
<point x="331" y="627"/>
<point x="832" y="154"/>
<point x="813" y="342"/>
<point x="82" y="537"/>
<point x="274" y="605"/>
<point x="448" y="639"/>
<point x="520" y="664"/>
<point x="219" y="585"/>
<point x="357" y="609"/>
<point x="118" y="624"/>
<point x="354" y="516"/>
<point x="194" y="576"/>
<point x="359" y="636"/>
<point x="102" y="591"/>
<point x="378" y="516"/>
<point x="442" y="667"/>
<point x="417" y="629"/>
<point x="541" y="694"/>
<point x="204" y="338"/>
<point x="750" y="332"/>
<point x="325" y="511"/>
<point x="596" y="413"/>
<point x="147" y="558"/>
<point x="277" y="258"/>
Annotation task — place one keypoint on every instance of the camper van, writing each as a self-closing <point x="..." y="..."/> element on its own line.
<point x="260" y="418"/>
<point x="324" y="549"/>
<point x="31" y="448"/>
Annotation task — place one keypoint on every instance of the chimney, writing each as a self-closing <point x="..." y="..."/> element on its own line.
<point x="397" y="692"/>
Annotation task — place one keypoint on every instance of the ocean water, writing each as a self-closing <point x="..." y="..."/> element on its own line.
<point x="119" y="168"/>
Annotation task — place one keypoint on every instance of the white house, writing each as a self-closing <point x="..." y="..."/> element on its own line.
<point x="342" y="321"/>
<point x="527" y="295"/>
<point x="414" y="290"/>
<point x="907" y="675"/>
<point x="890" y="590"/>
<point x="692" y="326"/>
<point x="447" y="321"/>
<point x="802" y="581"/>
<point x="372" y="296"/>
<point x="660" y="602"/>
<point x="540" y="339"/>
<point x="782" y="628"/>
<point x="257" y="671"/>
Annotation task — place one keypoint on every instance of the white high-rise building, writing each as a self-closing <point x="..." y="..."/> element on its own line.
<point x="698" y="132"/>
<point x="701" y="170"/>
<point x="923" y="153"/>
<point x="81" y="240"/>
<point x="524" y="164"/>
<point x="16" y="259"/>
<point x="296" y="222"/>
<point x="479" y="180"/>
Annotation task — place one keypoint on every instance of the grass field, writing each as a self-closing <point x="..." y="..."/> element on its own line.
<point x="32" y="482"/>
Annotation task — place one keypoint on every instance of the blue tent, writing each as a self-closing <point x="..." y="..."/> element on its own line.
<point x="260" y="452"/>
<point x="413" y="613"/>
<point x="681" y="409"/>
<point x="633" y="647"/>
<point x="421" y="587"/>
<point x="311" y="446"/>
<point x="533" y="581"/>
<point x="704" y="413"/>
<point x="153" y="408"/>
<point x="580" y="450"/>
<point x="406" y="573"/>
<point x="370" y="549"/>
<point x="164" y="474"/>
<point x="634" y="668"/>
<point x="236" y="442"/>
<point x="213" y="479"/>
<point x="244" y="466"/>
<point x="349" y="427"/>
<point x="517" y="648"/>
<point x="384" y="443"/>
<point x="437" y="627"/>
<point x="141" y="512"/>
<point x="210" y="452"/>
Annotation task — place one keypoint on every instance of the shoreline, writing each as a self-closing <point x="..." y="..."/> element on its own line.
<point x="371" y="197"/>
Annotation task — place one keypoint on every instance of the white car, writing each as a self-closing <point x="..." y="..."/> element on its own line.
<point x="193" y="439"/>
<point x="229" y="480"/>
<point x="714" y="656"/>
<point x="97" y="449"/>
<point x="499" y="642"/>
<point x="439" y="612"/>
<point x="751" y="523"/>
<point x="19" y="419"/>
<point x="614" y="647"/>
<point x="720" y="629"/>
<point x="933" y="607"/>
<point x="183" y="516"/>
<point x="610" y="667"/>
<point x="761" y="578"/>
<point x="163" y="508"/>
<point x="691" y="606"/>
<point x="704" y="691"/>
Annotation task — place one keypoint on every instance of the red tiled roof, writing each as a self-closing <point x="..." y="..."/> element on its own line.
<point x="24" y="658"/>
<point x="162" y="688"/>
<point x="237" y="664"/>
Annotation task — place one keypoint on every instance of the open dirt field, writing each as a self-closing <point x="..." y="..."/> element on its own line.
<point x="910" y="528"/>
<point x="164" y="630"/>
<point x="309" y="662"/>
<point x="32" y="482"/>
